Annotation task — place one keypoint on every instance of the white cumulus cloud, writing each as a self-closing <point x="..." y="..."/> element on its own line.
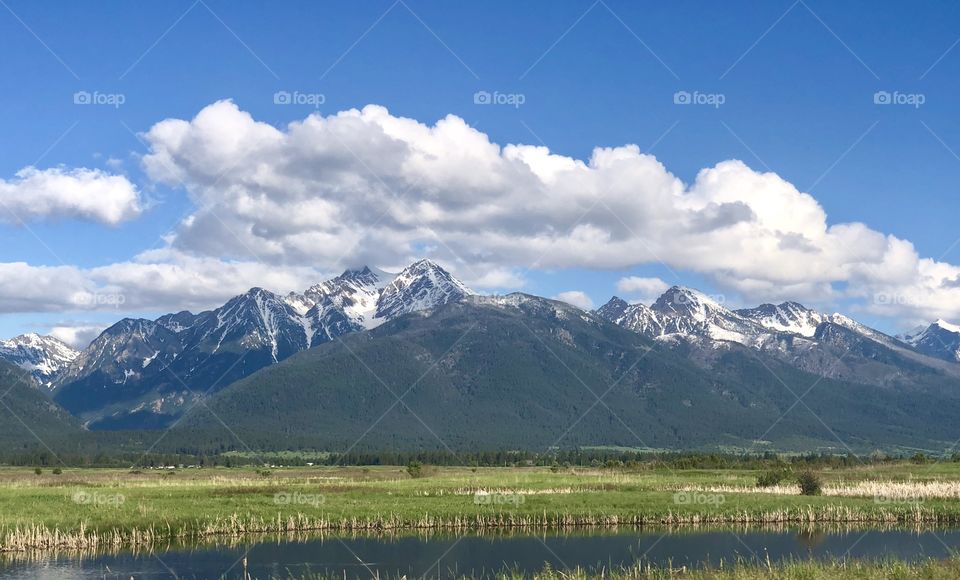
<point x="159" y="280"/>
<point x="576" y="297"/>
<point x="89" y="194"/>
<point x="366" y="186"/>
<point x="76" y="334"/>
<point x="642" y="289"/>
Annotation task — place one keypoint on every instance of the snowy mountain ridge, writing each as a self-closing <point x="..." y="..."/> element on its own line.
<point x="827" y="345"/>
<point x="940" y="339"/>
<point x="686" y="312"/>
<point x="44" y="357"/>
<point x="154" y="366"/>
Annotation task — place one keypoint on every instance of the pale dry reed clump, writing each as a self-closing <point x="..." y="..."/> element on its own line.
<point x="899" y="490"/>
<point x="27" y="538"/>
<point x="501" y="491"/>
<point x="890" y="490"/>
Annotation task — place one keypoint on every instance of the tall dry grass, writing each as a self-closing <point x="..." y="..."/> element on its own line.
<point x="18" y="539"/>
<point x="892" y="490"/>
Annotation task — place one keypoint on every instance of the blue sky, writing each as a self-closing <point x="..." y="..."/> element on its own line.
<point x="797" y="80"/>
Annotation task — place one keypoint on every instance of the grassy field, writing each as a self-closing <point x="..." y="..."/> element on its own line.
<point x="101" y="508"/>
<point x="807" y="570"/>
<point x="931" y="570"/>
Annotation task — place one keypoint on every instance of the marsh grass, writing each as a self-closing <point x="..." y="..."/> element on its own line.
<point x="905" y="490"/>
<point x="40" y="512"/>
<point x="793" y="570"/>
<point x="740" y="570"/>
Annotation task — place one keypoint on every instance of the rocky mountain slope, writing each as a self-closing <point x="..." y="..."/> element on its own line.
<point x="29" y="420"/>
<point x="279" y="353"/>
<point x="44" y="357"/>
<point x="143" y="373"/>
<point x="941" y="339"/>
<point x="828" y="345"/>
<point x="520" y="371"/>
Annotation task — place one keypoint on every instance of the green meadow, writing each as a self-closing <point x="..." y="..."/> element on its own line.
<point x="98" y="508"/>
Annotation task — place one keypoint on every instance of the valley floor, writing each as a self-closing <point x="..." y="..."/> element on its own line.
<point x="931" y="570"/>
<point x="109" y="508"/>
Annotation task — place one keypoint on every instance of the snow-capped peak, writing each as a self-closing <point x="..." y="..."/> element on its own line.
<point x="636" y="317"/>
<point x="34" y="340"/>
<point x="613" y="309"/>
<point x="45" y="357"/>
<point x="256" y="319"/>
<point x="948" y="326"/>
<point x="940" y="339"/>
<point x="851" y="324"/>
<point x="365" y="297"/>
<point x="686" y="312"/>
<point x="791" y="317"/>
<point x="420" y="286"/>
<point x="939" y="326"/>
<point x="687" y="302"/>
<point x="345" y="303"/>
<point x="356" y="292"/>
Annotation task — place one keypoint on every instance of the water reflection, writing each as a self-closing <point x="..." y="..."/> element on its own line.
<point x="438" y="554"/>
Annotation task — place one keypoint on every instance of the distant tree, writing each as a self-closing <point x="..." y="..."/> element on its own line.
<point x="810" y="483"/>
<point x="415" y="469"/>
<point x="772" y="477"/>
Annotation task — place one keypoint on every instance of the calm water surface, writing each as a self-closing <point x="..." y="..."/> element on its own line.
<point x="449" y="556"/>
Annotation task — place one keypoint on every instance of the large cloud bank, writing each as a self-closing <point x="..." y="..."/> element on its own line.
<point x="364" y="186"/>
<point x="88" y="194"/>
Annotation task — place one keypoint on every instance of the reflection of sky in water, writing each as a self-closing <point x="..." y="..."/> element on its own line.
<point x="478" y="555"/>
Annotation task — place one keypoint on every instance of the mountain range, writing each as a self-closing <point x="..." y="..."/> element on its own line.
<point x="521" y="371"/>
<point x="316" y="368"/>
<point x="941" y="339"/>
<point x="44" y="357"/>
<point x="143" y="373"/>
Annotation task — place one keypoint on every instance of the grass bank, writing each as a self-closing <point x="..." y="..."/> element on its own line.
<point x="95" y="509"/>
<point x="856" y="570"/>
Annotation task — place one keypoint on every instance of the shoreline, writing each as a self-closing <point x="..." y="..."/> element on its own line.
<point x="40" y="538"/>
